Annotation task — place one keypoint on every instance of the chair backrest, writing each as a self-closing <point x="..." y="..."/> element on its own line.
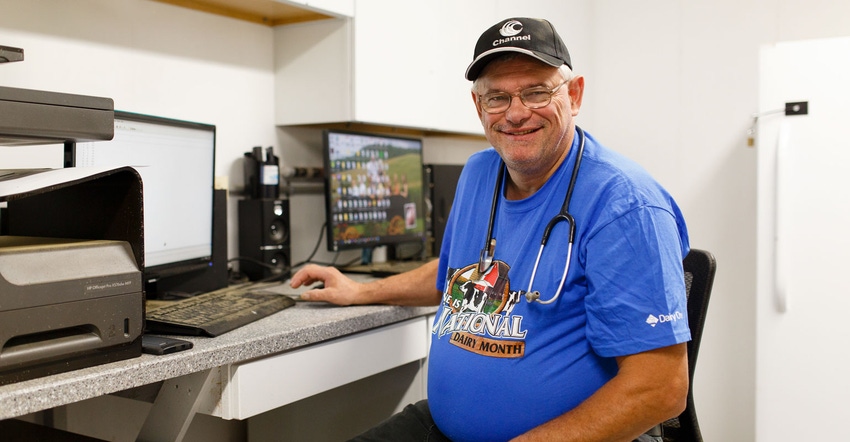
<point x="699" y="267"/>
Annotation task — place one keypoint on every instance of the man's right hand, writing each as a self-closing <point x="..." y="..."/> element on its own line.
<point x="416" y="287"/>
<point x="336" y="288"/>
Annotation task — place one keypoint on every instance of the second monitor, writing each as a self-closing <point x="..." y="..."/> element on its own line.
<point x="176" y="160"/>
<point x="374" y="190"/>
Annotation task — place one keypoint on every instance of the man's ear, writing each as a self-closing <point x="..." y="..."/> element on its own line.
<point x="477" y="106"/>
<point x="576" y="90"/>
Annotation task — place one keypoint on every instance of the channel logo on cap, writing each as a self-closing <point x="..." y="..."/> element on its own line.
<point x="511" y="28"/>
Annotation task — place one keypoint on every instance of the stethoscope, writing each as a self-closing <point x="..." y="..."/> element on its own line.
<point x="486" y="258"/>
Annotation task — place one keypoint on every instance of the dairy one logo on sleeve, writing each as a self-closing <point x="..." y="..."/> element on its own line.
<point x="653" y="320"/>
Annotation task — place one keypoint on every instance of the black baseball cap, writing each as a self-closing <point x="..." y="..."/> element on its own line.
<point x="530" y="36"/>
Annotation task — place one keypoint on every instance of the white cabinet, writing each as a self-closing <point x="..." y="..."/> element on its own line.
<point x="394" y="63"/>
<point x="242" y="389"/>
<point x="313" y="72"/>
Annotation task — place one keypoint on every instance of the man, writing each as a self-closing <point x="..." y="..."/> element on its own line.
<point x="523" y="347"/>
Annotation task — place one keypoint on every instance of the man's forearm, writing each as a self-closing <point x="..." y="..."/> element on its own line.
<point x="649" y="388"/>
<point x="416" y="287"/>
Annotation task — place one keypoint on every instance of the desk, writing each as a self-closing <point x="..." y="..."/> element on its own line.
<point x="325" y="345"/>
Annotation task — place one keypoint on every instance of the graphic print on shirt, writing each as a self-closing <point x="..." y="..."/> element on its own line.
<point x="477" y="315"/>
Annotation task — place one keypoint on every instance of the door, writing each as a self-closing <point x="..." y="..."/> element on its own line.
<point x="803" y="306"/>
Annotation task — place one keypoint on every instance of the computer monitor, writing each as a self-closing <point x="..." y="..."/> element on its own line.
<point x="373" y="191"/>
<point x="176" y="160"/>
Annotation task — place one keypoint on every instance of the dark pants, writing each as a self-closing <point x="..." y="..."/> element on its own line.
<point x="415" y="424"/>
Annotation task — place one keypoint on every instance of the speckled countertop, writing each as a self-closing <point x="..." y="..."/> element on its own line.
<point x="303" y="324"/>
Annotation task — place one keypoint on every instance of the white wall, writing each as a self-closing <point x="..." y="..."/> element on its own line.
<point x="150" y="58"/>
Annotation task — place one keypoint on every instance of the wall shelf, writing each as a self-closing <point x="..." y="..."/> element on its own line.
<point x="402" y="131"/>
<point x="266" y="12"/>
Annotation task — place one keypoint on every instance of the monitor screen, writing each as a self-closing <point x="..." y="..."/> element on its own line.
<point x="176" y="160"/>
<point x="374" y="190"/>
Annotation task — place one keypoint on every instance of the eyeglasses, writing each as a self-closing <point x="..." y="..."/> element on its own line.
<point x="532" y="98"/>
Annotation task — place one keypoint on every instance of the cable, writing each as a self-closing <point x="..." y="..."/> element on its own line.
<point x="351" y="263"/>
<point x="315" y="249"/>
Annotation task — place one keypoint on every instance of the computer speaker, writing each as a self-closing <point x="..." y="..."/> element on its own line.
<point x="264" y="241"/>
<point x="442" y="182"/>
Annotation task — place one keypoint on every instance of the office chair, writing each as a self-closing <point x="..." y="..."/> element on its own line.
<point x="699" y="268"/>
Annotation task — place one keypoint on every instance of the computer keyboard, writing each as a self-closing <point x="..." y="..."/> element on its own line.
<point x="215" y="313"/>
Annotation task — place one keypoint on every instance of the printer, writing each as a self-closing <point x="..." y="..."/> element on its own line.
<point x="30" y="117"/>
<point x="71" y="244"/>
<point x="66" y="303"/>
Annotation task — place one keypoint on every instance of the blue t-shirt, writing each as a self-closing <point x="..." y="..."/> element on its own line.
<point x="499" y="365"/>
